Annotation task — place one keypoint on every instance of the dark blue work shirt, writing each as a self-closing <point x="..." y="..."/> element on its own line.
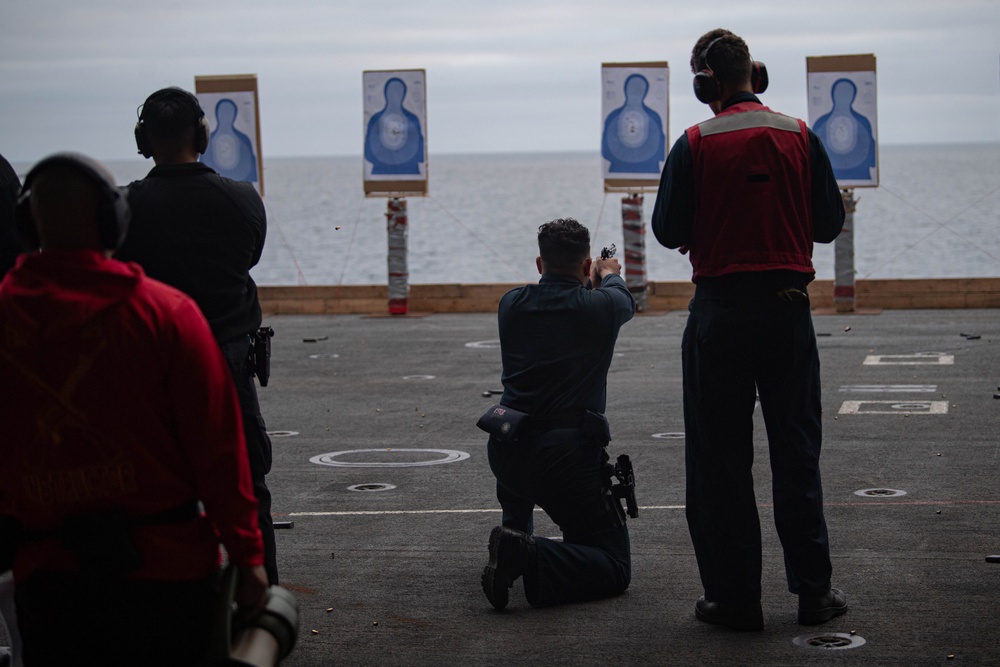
<point x="557" y="339"/>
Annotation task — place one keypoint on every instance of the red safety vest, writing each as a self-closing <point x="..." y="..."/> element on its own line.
<point x="752" y="180"/>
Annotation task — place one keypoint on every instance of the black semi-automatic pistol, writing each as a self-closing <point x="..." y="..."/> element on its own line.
<point x="608" y="252"/>
<point x="625" y="488"/>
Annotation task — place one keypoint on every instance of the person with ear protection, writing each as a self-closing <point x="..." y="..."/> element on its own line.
<point x="124" y="464"/>
<point x="10" y="187"/>
<point x="746" y="194"/>
<point x="202" y="233"/>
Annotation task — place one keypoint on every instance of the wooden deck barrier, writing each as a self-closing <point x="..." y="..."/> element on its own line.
<point x="662" y="296"/>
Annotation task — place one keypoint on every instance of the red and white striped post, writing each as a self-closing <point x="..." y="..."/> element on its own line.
<point x="634" y="236"/>
<point x="843" y="262"/>
<point x="399" y="287"/>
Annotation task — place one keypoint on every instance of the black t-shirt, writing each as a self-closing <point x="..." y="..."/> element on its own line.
<point x="557" y="339"/>
<point x="201" y="233"/>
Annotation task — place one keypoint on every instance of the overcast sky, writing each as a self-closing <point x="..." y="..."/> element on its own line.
<point x="519" y="75"/>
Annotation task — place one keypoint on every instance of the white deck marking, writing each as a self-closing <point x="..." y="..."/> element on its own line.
<point x="894" y="408"/>
<point x="470" y="511"/>
<point x="484" y="345"/>
<point x="330" y="458"/>
<point x="918" y="359"/>
<point x="888" y="388"/>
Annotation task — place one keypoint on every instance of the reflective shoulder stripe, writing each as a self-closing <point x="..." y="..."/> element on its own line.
<point x="747" y="120"/>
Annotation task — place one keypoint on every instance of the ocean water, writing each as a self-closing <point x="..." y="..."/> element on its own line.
<point x="935" y="214"/>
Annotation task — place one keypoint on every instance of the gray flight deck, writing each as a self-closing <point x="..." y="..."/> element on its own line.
<point x="390" y="526"/>
<point x="388" y="572"/>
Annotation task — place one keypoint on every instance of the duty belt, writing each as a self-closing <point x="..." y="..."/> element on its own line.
<point x="550" y="422"/>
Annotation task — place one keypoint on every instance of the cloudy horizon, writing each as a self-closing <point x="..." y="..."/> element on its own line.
<point x="512" y="77"/>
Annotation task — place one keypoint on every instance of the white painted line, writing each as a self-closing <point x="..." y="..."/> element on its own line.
<point x="918" y="359"/>
<point x="873" y="502"/>
<point x="407" y="512"/>
<point x="894" y="408"/>
<point x="888" y="388"/>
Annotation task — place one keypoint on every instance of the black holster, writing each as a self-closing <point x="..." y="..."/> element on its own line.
<point x="624" y="490"/>
<point x="260" y="354"/>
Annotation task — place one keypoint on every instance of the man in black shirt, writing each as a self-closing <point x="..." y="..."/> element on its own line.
<point x="202" y="233"/>
<point x="557" y="339"/>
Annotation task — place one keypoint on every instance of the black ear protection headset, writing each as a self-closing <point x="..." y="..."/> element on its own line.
<point x="201" y="130"/>
<point x="112" y="212"/>
<point x="707" y="88"/>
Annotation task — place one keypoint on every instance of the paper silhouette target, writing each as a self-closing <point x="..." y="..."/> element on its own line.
<point x="395" y="132"/>
<point x="634" y="124"/>
<point x="230" y="150"/>
<point x="231" y="108"/>
<point x="843" y="114"/>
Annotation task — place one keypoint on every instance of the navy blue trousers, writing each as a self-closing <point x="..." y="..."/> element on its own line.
<point x="258" y="444"/>
<point x="739" y="343"/>
<point x="562" y="474"/>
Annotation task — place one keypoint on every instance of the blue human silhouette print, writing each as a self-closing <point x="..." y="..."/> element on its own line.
<point x="633" y="140"/>
<point x="846" y="134"/>
<point x="394" y="141"/>
<point x="230" y="152"/>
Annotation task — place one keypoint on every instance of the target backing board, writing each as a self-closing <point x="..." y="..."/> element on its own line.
<point x="634" y="124"/>
<point x="843" y="113"/>
<point x="233" y="113"/>
<point x="395" y="132"/>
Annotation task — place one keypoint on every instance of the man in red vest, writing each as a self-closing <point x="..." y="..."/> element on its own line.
<point x="746" y="194"/>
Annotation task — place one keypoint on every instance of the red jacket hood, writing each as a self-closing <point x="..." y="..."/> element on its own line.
<point x="54" y="290"/>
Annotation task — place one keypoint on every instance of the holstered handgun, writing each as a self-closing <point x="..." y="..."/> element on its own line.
<point x="625" y="489"/>
<point x="260" y="354"/>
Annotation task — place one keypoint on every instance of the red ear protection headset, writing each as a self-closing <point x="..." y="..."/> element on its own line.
<point x="707" y="88"/>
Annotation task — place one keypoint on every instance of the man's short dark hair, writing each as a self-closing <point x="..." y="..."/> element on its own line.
<point x="563" y="244"/>
<point x="170" y="116"/>
<point x="729" y="57"/>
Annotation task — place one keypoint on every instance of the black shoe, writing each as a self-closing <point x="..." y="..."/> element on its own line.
<point x="738" y="616"/>
<point x="511" y="552"/>
<point x="818" y="609"/>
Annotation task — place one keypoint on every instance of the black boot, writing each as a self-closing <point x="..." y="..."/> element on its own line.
<point x="511" y="553"/>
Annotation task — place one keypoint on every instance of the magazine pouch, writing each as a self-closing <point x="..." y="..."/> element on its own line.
<point x="502" y="422"/>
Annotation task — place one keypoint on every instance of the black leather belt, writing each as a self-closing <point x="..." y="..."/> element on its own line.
<point x="180" y="514"/>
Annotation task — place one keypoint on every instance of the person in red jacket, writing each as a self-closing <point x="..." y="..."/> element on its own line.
<point x="746" y="194"/>
<point x="124" y="463"/>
